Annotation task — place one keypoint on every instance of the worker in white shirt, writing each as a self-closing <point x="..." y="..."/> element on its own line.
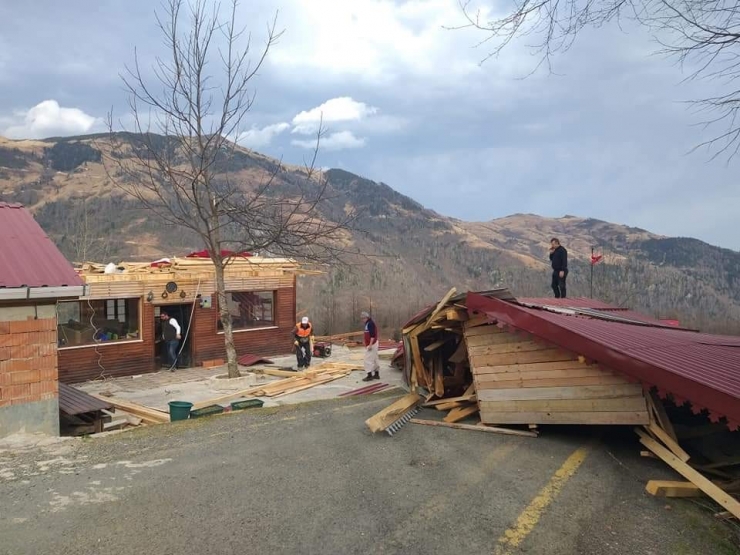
<point x="171" y="335"/>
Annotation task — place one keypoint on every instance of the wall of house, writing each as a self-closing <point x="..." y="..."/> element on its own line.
<point x="124" y="358"/>
<point x="209" y="344"/>
<point x="79" y="364"/>
<point x="521" y="380"/>
<point x="29" y="391"/>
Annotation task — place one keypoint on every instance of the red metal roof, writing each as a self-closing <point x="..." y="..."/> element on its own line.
<point x="575" y="302"/>
<point x="700" y="368"/>
<point x="28" y="258"/>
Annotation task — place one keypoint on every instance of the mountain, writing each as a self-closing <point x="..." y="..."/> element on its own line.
<point x="414" y="255"/>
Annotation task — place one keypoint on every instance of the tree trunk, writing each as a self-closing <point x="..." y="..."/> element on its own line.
<point x="225" y="315"/>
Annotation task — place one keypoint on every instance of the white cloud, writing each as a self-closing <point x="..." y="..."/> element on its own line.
<point x="334" y="141"/>
<point x="342" y="109"/>
<point x="376" y="41"/>
<point x="49" y="119"/>
<point x="258" y="137"/>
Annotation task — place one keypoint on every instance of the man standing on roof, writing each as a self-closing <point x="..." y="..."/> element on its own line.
<point x="303" y="342"/>
<point x="559" y="261"/>
<point x="372" y="360"/>
<point x="171" y="337"/>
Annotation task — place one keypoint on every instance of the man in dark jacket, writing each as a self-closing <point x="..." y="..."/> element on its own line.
<point x="559" y="261"/>
<point x="171" y="336"/>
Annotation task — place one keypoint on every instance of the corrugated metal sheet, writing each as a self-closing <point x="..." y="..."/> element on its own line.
<point x="28" y="258"/>
<point x="575" y="302"/>
<point x="73" y="401"/>
<point x="701" y="368"/>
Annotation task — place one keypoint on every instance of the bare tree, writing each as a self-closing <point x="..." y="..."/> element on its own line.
<point x="703" y="34"/>
<point x="84" y="233"/>
<point x="178" y="165"/>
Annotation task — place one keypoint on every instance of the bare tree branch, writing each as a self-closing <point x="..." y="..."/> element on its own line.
<point x="182" y="162"/>
<point x="703" y="35"/>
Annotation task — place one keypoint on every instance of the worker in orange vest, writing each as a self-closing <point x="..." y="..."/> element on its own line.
<point x="303" y="342"/>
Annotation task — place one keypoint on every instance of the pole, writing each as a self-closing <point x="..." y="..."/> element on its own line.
<point x="592" y="272"/>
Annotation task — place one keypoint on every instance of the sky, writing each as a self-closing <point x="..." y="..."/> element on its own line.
<point x="405" y="100"/>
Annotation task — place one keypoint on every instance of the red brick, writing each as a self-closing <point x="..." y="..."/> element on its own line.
<point x="48" y="325"/>
<point x="17" y="391"/>
<point x="49" y="374"/>
<point x="24" y="351"/>
<point x="17" y="378"/>
<point x="4" y="328"/>
<point x="37" y="389"/>
<point x="4" y="378"/>
<point x="17" y="339"/>
<point x="21" y="365"/>
<point x="4" y="353"/>
<point x="46" y="349"/>
<point x="6" y="340"/>
<point x="4" y="403"/>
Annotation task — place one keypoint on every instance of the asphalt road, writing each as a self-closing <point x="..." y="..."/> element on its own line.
<point x="311" y="479"/>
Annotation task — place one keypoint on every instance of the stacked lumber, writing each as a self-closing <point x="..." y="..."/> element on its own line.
<point x="295" y="382"/>
<point x="146" y="414"/>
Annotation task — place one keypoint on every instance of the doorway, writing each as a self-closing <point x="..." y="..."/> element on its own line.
<point x="181" y="313"/>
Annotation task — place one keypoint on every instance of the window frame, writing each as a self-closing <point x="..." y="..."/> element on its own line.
<point x="265" y="325"/>
<point x="105" y="315"/>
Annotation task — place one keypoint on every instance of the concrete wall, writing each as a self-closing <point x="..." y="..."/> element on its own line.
<point x="29" y="387"/>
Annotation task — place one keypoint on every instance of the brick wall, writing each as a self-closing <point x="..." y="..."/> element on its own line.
<point x="28" y="356"/>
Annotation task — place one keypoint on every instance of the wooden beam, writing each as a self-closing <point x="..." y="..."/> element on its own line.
<point x="721" y="497"/>
<point x="466" y="397"/>
<point x="437" y="344"/>
<point x="552" y="393"/>
<point x="669" y="488"/>
<point x="668" y="441"/>
<point x="381" y="420"/>
<point x="441" y="304"/>
<point x="460" y="354"/>
<point x="530" y="367"/>
<point x="658" y="409"/>
<point x="477" y="428"/>
<point x="147" y="414"/>
<point x="456" y="315"/>
<point x="460" y="413"/>
<point x="623" y="404"/>
<point x="589" y="418"/>
<point x="542" y="355"/>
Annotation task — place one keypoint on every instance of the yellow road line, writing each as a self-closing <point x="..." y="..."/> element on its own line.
<point x="528" y="519"/>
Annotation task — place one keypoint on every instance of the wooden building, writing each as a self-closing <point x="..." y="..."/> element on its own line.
<point x="114" y="331"/>
<point x="524" y="380"/>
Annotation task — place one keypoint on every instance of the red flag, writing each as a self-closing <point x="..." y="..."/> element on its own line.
<point x="596" y="258"/>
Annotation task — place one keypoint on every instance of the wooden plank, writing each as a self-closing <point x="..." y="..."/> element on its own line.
<point x="721" y="497"/>
<point x="452" y="405"/>
<point x="437" y="344"/>
<point x="658" y="409"/>
<point x="579" y="372"/>
<point x="668" y="441"/>
<point x="460" y="354"/>
<point x="545" y="355"/>
<point x="476" y="327"/>
<point x="441" y="304"/>
<point x="671" y="488"/>
<point x="456" y="315"/>
<point x="147" y="414"/>
<point x="380" y="421"/>
<point x="505" y="348"/>
<point x="460" y="413"/>
<point x="439" y="383"/>
<point x="421" y="373"/>
<point x="497" y="337"/>
<point x="557" y="382"/>
<point x="621" y="418"/>
<point x="466" y="397"/>
<point x="477" y="428"/>
<point x="623" y="404"/>
<point x="585" y="392"/>
<point x="533" y="367"/>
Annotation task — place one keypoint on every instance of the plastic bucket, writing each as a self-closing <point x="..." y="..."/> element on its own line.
<point x="179" y="410"/>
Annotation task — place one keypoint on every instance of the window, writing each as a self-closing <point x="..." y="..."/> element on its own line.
<point x="97" y="321"/>
<point x="250" y="309"/>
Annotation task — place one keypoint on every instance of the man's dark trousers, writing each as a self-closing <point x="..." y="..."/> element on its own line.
<point x="558" y="283"/>
<point x="172" y="352"/>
